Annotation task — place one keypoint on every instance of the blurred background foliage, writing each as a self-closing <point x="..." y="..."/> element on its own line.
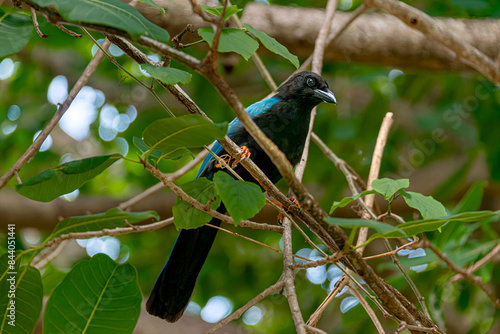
<point x="445" y="138"/>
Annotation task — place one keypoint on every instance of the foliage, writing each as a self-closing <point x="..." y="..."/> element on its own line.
<point x="466" y="150"/>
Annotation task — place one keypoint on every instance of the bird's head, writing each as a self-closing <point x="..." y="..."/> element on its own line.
<point x="307" y="86"/>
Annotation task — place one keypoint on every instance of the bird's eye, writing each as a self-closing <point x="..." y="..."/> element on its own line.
<point x="311" y="82"/>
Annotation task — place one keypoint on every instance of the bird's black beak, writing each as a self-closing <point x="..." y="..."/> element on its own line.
<point x="325" y="95"/>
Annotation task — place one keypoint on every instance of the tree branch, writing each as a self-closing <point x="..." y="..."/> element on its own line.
<point x="473" y="279"/>
<point x="33" y="149"/>
<point x="239" y="312"/>
<point x="487" y="258"/>
<point x="435" y="30"/>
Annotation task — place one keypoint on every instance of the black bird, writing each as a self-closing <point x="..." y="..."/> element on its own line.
<point x="284" y="118"/>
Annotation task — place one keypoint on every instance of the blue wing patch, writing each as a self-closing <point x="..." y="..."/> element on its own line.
<point x="253" y="110"/>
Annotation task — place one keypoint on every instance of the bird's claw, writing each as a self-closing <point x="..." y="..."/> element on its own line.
<point x="245" y="154"/>
<point x="294" y="201"/>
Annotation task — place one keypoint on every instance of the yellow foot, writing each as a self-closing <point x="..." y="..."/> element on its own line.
<point x="280" y="215"/>
<point x="245" y="153"/>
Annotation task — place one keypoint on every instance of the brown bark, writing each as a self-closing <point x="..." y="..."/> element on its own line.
<point x="373" y="38"/>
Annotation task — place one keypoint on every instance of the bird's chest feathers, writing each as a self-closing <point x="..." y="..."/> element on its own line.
<point x="287" y="127"/>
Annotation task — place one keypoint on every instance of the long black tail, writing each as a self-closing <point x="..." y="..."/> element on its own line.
<point x="177" y="280"/>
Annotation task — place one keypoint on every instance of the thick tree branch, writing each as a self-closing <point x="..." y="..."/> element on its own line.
<point x="437" y="31"/>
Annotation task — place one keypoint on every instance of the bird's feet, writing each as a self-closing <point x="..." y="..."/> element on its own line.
<point x="245" y="153"/>
<point x="280" y="215"/>
<point x="229" y="161"/>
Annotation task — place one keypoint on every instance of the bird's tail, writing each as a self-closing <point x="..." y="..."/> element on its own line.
<point x="176" y="282"/>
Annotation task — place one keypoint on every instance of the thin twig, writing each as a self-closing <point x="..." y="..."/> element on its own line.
<point x="471" y="278"/>
<point x="264" y="72"/>
<point x="37" y="26"/>
<point x="239" y="312"/>
<point x="319" y="51"/>
<point x="325" y="260"/>
<point x="69" y="32"/>
<point x="111" y="232"/>
<point x="252" y="240"/>
<point x="43" y="258"/>
<point x="35" y="146"/>
<point x="335" y="35"/>
<point x="157" y="187"/>
<point x="314" y="318"/>
<point x="435" y="30"/>
<point x="176" y="40"/>
<point x="413" y="286"/>
<point x="392" y="252"/>
<point x="367" y="308"/>
<point x="487" y="258"/>
<point x="404" y="326"/>
<point x="378" y="152"/>
<point x="185" y="197"/>
<point x="288" y="278"/>
<point x="315" y="330"/>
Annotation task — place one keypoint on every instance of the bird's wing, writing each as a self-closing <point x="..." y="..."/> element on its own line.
<point x="253" y="110"/>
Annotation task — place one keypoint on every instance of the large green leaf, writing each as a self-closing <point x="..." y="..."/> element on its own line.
<point x="65" y="178"/>
<point x="168" y="75"/>
<point x="171" y="153"/>
<point x="217" y="10"/>
<point x="231" y="40"/>
<point x="243" y="200"/>
<point x="187" y="217"/>
<point x="97" y="296"/>
<point x="355" y="223"/>
<point x="21" y="295"/>
<point x="185" y="131"/>
<point x="110" y="219"/>
<point x="15" y="31"/>
<point x="427" y="205"/>
<point x="273" y="45"/>
<point x="426" y="225"/>
<point x="388" y="187"/>
<point x="472" y="199"/>
<point x="109" y="13"/>
<point x="346" y="200"/>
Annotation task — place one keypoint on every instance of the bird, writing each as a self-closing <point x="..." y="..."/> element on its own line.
<point x="284" y="118"/>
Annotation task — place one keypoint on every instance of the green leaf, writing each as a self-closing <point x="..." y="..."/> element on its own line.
<point x="231" y="40"/>
<point x="110" y="219"/>
<point x="355" y="223"/>
<point x="176" y="153"/>
<point x="109" y="13"/>
<point x="217" y="11"/>
<point x="151" y="3"/>
<point x="243" y="200"/>
<point x="65" y="178"/>
<point x="97" y="296"/>
<point x="167" y="75"/>
<point x="21" y="295"/>
<point x="426" y="225"/>
<point x="15" y="31"/>
<point x="472" y="199"/>
<point x="427" y="205"/>
<point x="173" y="154"/>
<point x="51" y="278"/>
<point x="185" y="215"/>
<point x="273" y="45"/>
<point x="185" y="131"/>
<point x="139" y="143"/>
<point x="388" y="187"/>
<point x="346" y="200"/>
